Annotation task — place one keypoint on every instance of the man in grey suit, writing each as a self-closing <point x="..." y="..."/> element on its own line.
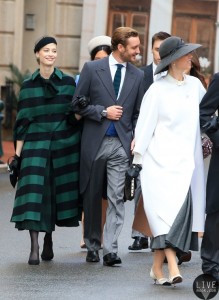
<point x="109" y="122"/>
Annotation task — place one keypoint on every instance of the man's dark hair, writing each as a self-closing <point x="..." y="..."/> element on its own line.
<point x="161" y="35"/>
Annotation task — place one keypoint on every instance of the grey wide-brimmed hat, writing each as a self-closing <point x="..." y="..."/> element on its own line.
<point x="101" y="40"/>
<point x="171" y="49"/>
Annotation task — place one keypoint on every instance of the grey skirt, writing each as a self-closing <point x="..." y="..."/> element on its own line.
<point x="180" y="236"/>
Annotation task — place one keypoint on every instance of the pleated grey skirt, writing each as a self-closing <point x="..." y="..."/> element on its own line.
<point x="180" y="236"/>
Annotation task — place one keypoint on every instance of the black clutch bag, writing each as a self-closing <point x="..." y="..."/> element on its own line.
<point x="130" y="181"/>
<point x="14" y="164"/>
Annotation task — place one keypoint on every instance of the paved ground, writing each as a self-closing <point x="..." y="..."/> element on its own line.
<point x="68" y="276"/>
<point x="8" y="151"/>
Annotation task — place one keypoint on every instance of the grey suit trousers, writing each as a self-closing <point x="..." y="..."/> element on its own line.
<point x="111" y="160"/>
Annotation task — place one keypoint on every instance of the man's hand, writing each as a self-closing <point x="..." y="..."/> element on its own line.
<point x="78" y="117"/>
<point x="114" y="112"/>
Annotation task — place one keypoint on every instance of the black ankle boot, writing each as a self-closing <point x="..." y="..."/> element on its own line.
<point x="34" y="252"/>
<point x="47" y="253"/>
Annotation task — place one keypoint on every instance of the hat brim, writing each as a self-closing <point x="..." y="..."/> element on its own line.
<point x="179" y="53"/>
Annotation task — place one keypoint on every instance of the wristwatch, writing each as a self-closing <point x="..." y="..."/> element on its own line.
<point x="104" y="113"/>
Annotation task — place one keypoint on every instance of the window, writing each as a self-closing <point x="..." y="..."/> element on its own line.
<point x="30" y="22"/>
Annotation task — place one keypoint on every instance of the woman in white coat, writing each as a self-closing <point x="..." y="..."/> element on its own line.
<point x="168" y="147"/>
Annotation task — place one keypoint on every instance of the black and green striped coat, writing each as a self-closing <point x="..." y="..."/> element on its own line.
<point x="42" y="124"/>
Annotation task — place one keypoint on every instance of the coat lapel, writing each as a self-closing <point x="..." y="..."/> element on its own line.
<point x="103" y="71"/>
<point x="105" y="76"/>
<point x="128" y="83"/>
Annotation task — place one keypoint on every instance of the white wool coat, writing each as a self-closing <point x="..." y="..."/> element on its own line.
<point x="168" y="145"/>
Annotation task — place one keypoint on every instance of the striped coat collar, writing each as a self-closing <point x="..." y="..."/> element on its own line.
<point x="56" y="72"/>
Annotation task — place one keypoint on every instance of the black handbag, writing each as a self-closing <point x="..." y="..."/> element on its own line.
<point x="14" y="164"/>
<point x="130" y="181"/>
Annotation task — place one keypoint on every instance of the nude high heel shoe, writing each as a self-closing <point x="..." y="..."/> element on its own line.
<point x="161" y="281"/>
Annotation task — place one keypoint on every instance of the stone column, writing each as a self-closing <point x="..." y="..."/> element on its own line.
<point x="18" y="33"/>
<point x="94" y="22"/>
<point x="160" y="20"/>
<point x="50" y="17"/>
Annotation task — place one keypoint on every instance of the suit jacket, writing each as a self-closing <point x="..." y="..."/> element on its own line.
<point x="148" y="76"/>
<point x="208" y="107"/>
<point x="96" y="82"/>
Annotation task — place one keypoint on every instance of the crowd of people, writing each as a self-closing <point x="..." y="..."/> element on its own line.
<point x="76" y="141"/>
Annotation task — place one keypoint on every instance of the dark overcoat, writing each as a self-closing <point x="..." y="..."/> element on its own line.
<point x="42" y="124"/>
<point x="208" y="107"/>
<point x="96" y="82"/>
<point x="148" y="76"/>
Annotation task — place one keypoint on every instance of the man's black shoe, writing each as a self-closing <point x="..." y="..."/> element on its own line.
<point x="111" y="259"/>
<point x="92" y="256"/>
<point x="139" y="243"/>
<point x="183" y="256"/>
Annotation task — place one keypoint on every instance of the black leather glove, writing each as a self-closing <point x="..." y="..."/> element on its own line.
<point x="130" y="181"/>
<point x="211" y="126"/>
<point x="14" y="169"/>
<point x="133" y="171"/>
<point x="83" y="101"/>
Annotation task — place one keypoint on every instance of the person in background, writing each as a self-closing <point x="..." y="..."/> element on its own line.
<point x="195" y="70"/>
<point x="98" y="48"/>
<point x="149" y="70"/>
<point x="140" y="239"/>
<point x="209" y="109"/>
<point x="47" y="142"/>
<point x="168" y="147"/>
<point x="115" y="90"/>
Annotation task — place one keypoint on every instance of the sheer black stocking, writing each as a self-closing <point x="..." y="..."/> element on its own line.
<point x="34" y="252"/>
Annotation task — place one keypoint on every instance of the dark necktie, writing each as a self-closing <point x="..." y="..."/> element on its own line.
<point x="117" y="79"/>
<point x="111" y="131"/>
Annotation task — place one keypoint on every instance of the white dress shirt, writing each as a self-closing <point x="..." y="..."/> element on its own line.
<point x="113" y="67"/>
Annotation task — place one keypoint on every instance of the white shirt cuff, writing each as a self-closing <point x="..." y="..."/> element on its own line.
<point x="137" y="159"/>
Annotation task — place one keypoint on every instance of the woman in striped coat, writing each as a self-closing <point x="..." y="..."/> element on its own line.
<point x="47" y="146"/>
